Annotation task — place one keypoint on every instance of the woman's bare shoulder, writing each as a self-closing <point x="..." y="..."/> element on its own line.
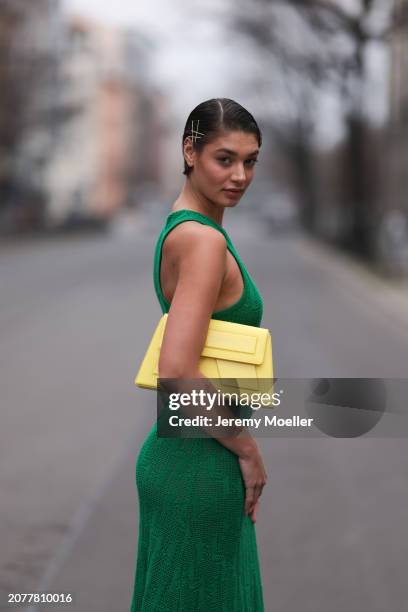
<point x="192" y="236"/>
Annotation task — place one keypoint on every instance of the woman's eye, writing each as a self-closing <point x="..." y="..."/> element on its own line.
<point x="224" y="159"/>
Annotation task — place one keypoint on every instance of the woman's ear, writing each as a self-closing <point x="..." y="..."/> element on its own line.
<point x="189" y="152"/>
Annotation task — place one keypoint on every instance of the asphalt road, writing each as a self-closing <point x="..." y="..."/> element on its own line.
<point x="75" y="318"/>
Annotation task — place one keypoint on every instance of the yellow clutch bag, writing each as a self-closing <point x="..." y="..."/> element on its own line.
<point x="231" y="351"/>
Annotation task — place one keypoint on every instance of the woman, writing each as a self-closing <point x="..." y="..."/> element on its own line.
<point x="199" y="497"/>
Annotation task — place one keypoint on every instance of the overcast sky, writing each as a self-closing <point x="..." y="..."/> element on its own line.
<point x="156" y="15"/>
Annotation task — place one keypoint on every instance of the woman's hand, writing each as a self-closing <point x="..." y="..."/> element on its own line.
<point x="255" y="478"/>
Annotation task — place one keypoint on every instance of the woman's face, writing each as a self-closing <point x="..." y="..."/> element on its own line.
<point x="226" y="163"/>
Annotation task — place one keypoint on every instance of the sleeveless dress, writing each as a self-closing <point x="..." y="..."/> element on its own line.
<point x="197" y="549"/>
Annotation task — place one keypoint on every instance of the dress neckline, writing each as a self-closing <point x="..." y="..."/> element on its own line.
<point x="196" y="212"/>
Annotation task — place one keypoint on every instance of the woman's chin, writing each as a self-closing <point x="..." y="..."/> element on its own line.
<point x="229" y="202"/>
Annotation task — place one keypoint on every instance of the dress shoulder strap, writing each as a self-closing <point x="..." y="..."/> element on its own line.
<point x="185" y="214"/>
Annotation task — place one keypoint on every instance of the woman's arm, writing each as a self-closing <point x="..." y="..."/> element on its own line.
<point x="200" y="259"/>
<point x="200" y="256"/>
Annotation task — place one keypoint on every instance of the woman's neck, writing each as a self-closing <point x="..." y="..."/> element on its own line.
<point x="189" y="198"/>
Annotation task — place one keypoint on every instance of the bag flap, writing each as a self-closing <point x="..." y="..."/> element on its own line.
<point x="236" y="345"/>
<point x="231" y="341"/>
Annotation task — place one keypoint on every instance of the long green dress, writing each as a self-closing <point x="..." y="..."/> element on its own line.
<point x="197" y="549"/>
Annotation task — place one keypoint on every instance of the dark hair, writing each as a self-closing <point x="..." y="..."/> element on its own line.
<point x="213" y="116"/>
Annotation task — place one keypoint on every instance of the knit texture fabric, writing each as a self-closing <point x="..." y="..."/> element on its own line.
<point x="197" y="549"/>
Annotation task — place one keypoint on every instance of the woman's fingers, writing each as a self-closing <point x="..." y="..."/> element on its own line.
<point x="254" y="512"/>
<point x="254" y="477"/>
<point x="249" y="499"/>
<point x="252" y="496"/>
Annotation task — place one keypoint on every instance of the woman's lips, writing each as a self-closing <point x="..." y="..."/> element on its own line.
<point x="234" y="191"/>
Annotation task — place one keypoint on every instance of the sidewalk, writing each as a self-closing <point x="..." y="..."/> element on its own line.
<point x="390" y="296"/>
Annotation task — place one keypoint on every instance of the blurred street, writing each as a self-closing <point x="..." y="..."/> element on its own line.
<point x="75" y="318"/>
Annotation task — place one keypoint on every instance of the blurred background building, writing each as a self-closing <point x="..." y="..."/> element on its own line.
<point x="30" y="39"/>
<point x="108" y="149"/>
<point x="80" y="121"/>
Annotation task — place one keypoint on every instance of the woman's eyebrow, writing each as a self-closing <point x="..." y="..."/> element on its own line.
<point x="234" y="152"/>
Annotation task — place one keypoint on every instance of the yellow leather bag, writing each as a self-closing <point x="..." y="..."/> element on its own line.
<point x="231" y="351"/>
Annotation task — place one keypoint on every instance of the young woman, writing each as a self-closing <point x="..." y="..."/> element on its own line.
<point x="198" y="497"/>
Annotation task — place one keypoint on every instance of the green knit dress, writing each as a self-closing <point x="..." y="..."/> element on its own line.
<point x="197" y="549"/>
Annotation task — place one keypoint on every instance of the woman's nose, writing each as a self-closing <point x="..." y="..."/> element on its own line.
<point x="239" y="173"/>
